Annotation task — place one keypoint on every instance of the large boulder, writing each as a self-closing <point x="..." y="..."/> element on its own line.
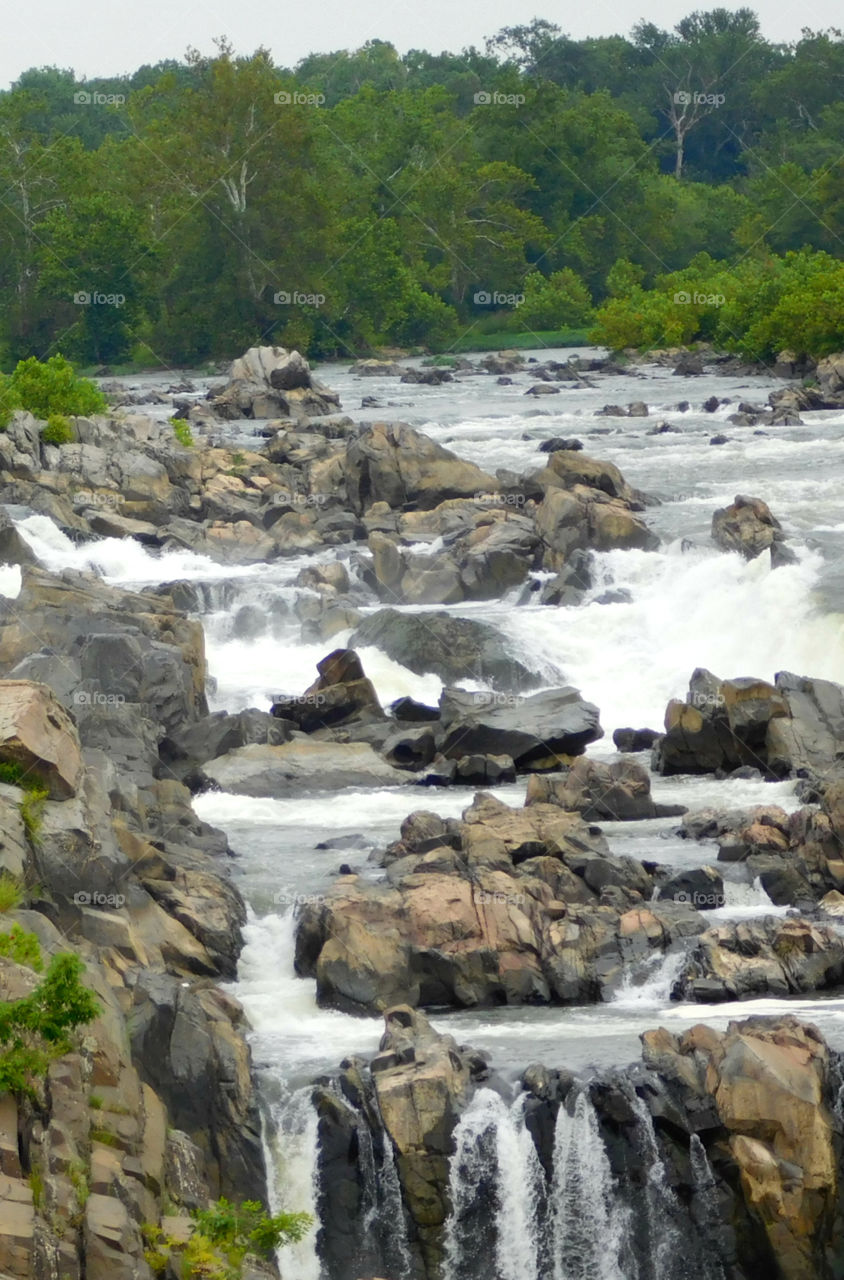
<point x="38" y="736"/>
<point x="749" y="528"/>
<point x="515" y="906"/>
<point x="618" y="792"/>
<point x="830" y="376"/>
<point x="270" y="382"/>
<point x="767" y="1083"/>
<point x="393" y="463"/>
<point x="538" y="731"/>
<point x="342" y="694"/>
<point x="793" y="726"/>
<point x="762" y="957"/>
<point x="452" y="648"/>
<point x="298" y="766"/>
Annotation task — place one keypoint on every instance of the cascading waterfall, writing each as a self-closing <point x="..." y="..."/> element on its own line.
<point x="662" y="1210"/>
<point x="495" y="1185"/>
<point x="397" y="1245"/>
<point x="293" y="1148"/>
<point x="588" y="1222"/>
<point x="650" y="983"/>
<point x="705" y="1208"/>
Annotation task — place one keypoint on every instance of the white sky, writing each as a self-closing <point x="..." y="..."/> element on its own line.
<point x="109" y="37"/>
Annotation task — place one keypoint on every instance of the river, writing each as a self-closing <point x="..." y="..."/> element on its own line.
<point x="685" y="606"/>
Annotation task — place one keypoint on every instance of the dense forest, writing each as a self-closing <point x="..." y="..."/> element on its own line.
<point x="650" y="190"/>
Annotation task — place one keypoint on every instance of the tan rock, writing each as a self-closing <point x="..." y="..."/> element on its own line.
<point x="38" y="734"/>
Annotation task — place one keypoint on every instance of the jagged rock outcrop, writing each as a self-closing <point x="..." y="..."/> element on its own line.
<point x="618" y="792"/>
<point x="509" y="905"/>
<point x="761" y="957"/>
<point x="539" y="731"/>
<point x="748" y="527"/>
<point x="393" y="463"/>
<point x="270" y="382"/>
<point x="453" y="648"/>
<point x="795" y="726"/>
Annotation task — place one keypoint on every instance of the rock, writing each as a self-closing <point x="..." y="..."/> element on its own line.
<point x="766" y="1082"/>
<point x="689" y="365"/>
<point x="720" y="439"/>
<point x="749" y="528"/>
<point x="770" y="956"/>
<point x="618" y="792"/>
<point x="407" y="709"/>
<point x="453" y="648"/>
<point x="542" y="389"/>
<point x="183" y="750"/>
<point x="793" y="726"/>
<point x="14" y="549"/>
<point x="342" y="694"/>
<point x="537" y="731"/>
<point x="377" y="369"/>
<point x="637" y="409"/>
<point x="830" y="376"/>
<point x="635" y="739"/>
<point x="37" y="734"/>
<point x="560" y="442"/>
<point x="394" y="463"/>
<point x="299" y="766"/>
<point x="700" y="887"/>
<point x="270" y="382"/>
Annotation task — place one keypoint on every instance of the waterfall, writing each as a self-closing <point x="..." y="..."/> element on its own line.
<point x="649" y="983"/>
<point x="587" y="1221"/>
<point x="662" y="1210"/>
<point x="705" y="1209"/>
<point x="292" y="1156"/>
<point x="396" y="1244"/>
<point x="495" y="1182"/>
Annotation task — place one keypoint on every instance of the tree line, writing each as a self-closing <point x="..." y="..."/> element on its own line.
<point x="365" y="198"/>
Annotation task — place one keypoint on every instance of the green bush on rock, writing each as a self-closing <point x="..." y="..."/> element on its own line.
<point x="48" y="388"/>
<point x="35" y="1029"/>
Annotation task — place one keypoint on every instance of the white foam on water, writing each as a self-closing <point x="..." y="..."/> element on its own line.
<point x="697" y="609"/>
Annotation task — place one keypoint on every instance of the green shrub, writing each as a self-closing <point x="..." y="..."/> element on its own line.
<point x="182" y="432"/>
<point x="225" y="1235"/>
<point x="11" y="892"/>
<point x="58" y="430"/>
<point x="22" y="947"/>
<point x="46" y="388"/>
<point x="32" y="812"/>
<point x="36" y="1029"/>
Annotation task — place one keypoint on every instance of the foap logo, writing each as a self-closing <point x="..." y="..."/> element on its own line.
<point x="487" y="898"/>
<point x="82" y="98"/>
<point x="284" y="898"/>
<point x="96" y="299"/>
<point x="301" y="499"/>
<point x="685" y="299"/>
<point x="700" y="699"/>
<point x="500" y="499"/>
<point x="485" y="98"/>
<point x="96" y="899"/>
<point x="703" y="901"/>
<point x="297" y="99"/>
<point x="687" y="98"/>
<point x="88" y="498"/>
<point x="483" y="298"/>
<point x="82" y="698"/>
<point x="282" y="298"/>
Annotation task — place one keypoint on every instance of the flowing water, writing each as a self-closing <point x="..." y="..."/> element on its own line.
<point x="684" y="606"/>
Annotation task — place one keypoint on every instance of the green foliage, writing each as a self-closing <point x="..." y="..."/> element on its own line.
<point x="597" y="173"/>
<point x="757" y="309"/>
<point x="11" y="892"/>
<point x="224" y="1237"/>
<point x="182" y="432"/>
<point x="58" y="430"/>
<point x="36" y="1028"/>
<point x="32" y="812"/>
<point x="557" y="301"/>
<point x="22" y="947"/>
<point x="48" y="389"/>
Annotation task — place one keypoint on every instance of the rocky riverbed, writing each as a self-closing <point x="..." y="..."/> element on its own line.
<point x="399" y="697"/>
